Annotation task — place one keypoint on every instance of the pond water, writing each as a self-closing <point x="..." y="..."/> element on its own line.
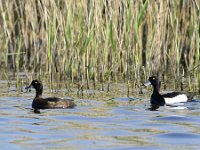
<point x="97" y="123"/>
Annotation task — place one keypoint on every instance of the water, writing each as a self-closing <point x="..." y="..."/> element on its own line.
<point x="114" y="124"/>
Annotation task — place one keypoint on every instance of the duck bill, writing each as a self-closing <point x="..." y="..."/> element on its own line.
<point x="28" y="87"/>
<point x="147" y="83"/>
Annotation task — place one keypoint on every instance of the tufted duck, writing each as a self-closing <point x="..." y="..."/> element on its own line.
<point x="50" y="102"/>
<point x="170" y="98"/>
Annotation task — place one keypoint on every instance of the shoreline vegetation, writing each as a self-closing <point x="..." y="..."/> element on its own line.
<point x="88" y="42"/>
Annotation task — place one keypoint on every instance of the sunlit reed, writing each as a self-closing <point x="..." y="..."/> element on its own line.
<point x="105" y="41"/>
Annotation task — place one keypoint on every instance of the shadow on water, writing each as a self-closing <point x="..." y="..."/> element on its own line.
<point x="98" y="122"/>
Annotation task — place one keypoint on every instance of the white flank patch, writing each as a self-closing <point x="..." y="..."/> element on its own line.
<point x="177" y="99"/>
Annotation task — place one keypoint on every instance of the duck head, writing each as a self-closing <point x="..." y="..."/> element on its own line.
<point x="37" y="85"/>
<point x="155" y="82"/>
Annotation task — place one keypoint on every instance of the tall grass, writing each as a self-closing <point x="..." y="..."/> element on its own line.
<point x="100" y="41"/>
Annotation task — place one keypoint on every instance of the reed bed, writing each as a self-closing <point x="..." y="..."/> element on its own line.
<point x="104" y="41"/>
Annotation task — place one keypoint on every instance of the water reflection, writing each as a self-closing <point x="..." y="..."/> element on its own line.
<point x="96" y="123"/>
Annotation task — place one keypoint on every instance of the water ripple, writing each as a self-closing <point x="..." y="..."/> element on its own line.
<point x="119" y="123"/>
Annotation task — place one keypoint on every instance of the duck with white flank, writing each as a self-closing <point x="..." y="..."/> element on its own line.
<point x="166" y="99"/>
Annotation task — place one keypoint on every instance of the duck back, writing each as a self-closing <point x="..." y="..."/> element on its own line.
<point x="52" y="103"/>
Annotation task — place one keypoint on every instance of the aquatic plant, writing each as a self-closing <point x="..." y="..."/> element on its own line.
<point x="99" y="41"/>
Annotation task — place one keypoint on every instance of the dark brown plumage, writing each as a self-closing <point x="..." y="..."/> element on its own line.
<point x="48" y="103"/>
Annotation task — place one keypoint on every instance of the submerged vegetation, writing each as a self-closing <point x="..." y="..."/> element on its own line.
<point x="104" y="41"/>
